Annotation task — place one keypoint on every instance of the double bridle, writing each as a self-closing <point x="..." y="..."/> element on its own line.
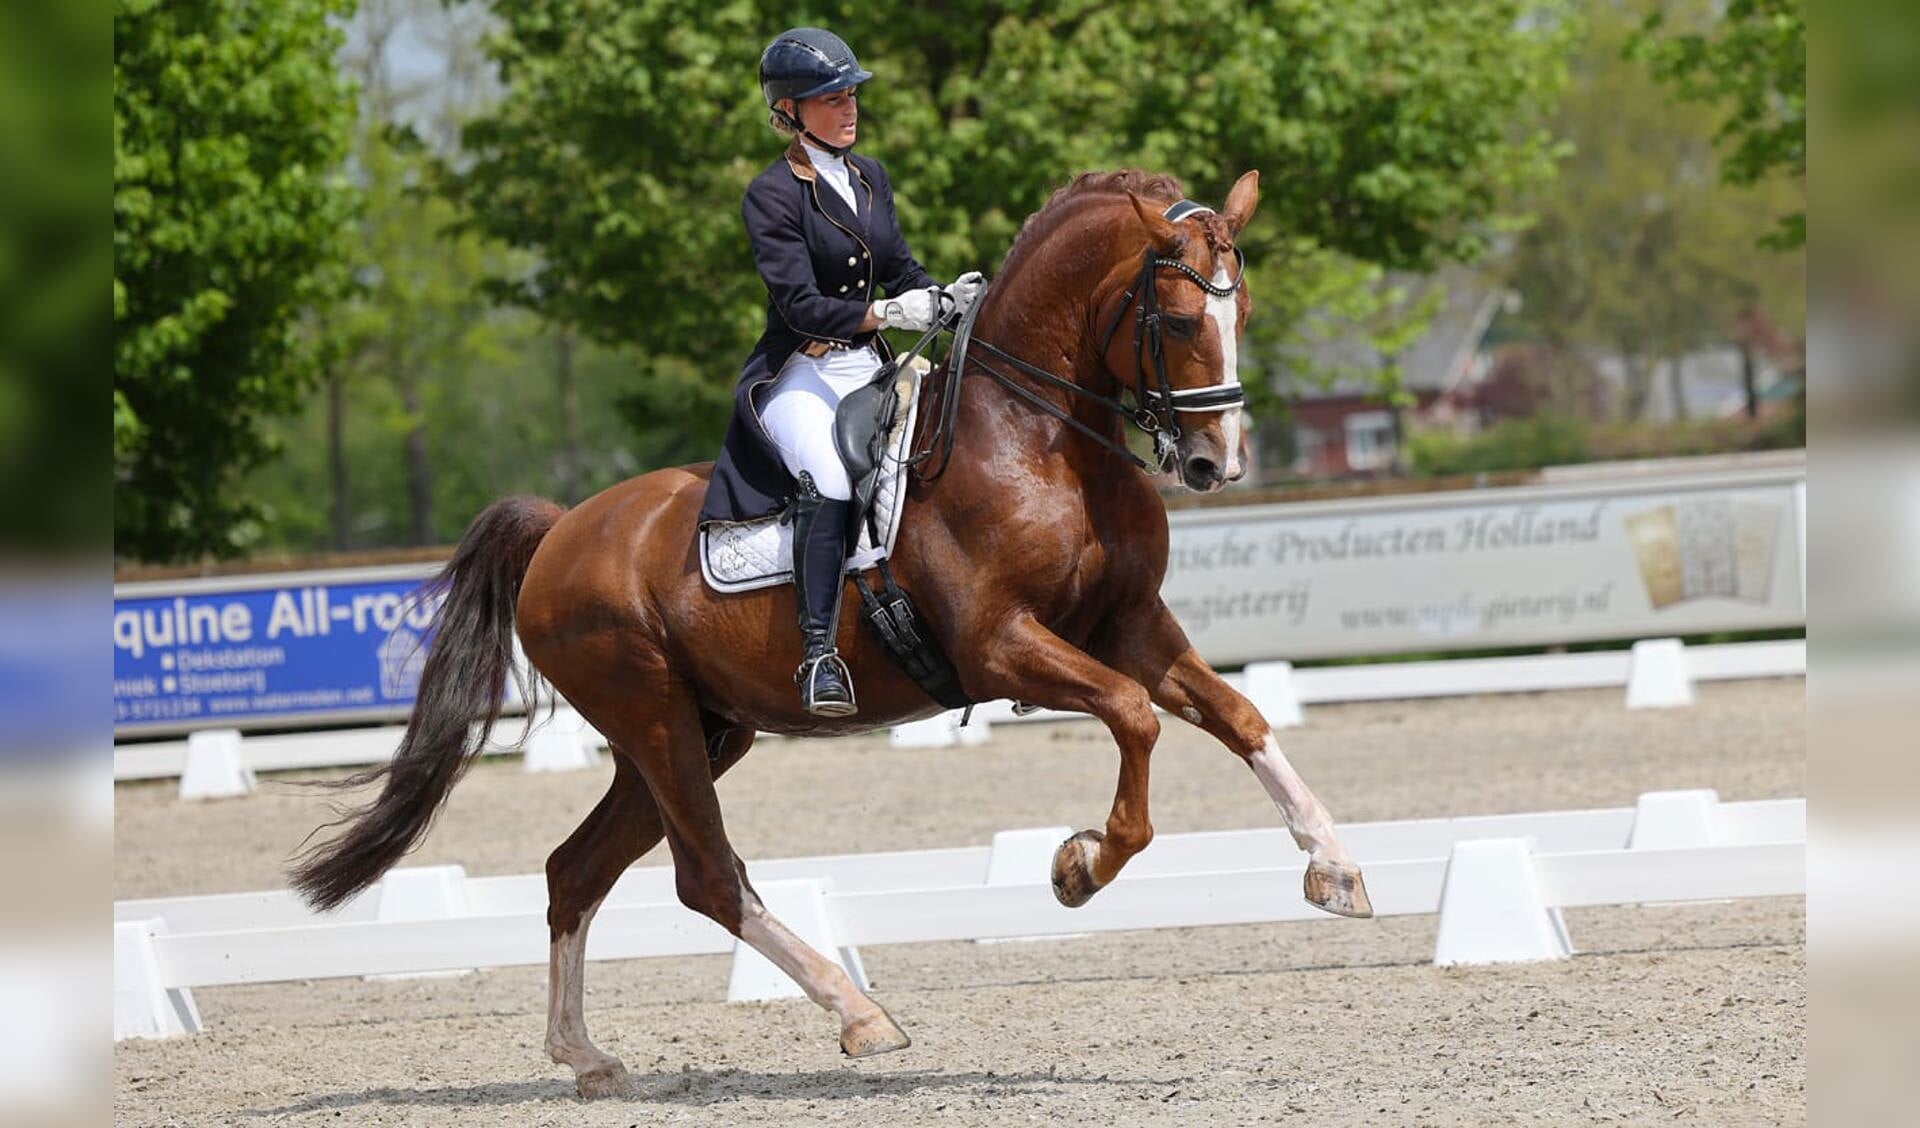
<point x="1156" y="406"/>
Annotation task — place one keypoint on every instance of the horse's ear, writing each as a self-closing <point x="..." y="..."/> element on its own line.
<point x="1163" y="235"/>
<point x="1241" y="201"/>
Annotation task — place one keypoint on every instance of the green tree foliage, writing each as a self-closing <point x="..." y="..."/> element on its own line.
<point x="436" y="400"/>
<point x="1639" y="251"/>
<point x="230" y="123"/>
<point x="1387" y="134"/>
<point x="1751" y="59"/>
<point x="1511" y="444"/>
<point x="54" y="334"/>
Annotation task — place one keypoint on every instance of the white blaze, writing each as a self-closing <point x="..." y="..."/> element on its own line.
<point x="1225" y="314"/>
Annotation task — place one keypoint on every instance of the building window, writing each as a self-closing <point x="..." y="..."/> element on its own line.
<point x="1369" y="440"/>
<point x="1309" y="451"/>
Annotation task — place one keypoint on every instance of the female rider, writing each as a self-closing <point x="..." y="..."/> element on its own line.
<point x="825" y="237"/>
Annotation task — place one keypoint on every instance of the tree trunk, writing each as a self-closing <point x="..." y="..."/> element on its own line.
<point x="569" y="419"/>
<point x="1639" y="384"/>
<point x="1749" y="380"/>
<point x="1676" y="384"/>
<point x="337" y="459"/>
<point x="419" y="470"/>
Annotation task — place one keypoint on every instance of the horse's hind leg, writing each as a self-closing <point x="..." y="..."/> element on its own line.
<point x="711" y="879"/>
<point x="625" y="825"/>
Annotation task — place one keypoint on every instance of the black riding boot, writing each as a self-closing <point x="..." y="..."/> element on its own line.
<point x="819" y="577"/>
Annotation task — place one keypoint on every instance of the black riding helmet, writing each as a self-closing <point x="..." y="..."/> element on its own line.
<point x="807" y="62"/>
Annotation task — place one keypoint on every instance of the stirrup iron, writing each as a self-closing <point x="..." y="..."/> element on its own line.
<point x="804" y="677"/>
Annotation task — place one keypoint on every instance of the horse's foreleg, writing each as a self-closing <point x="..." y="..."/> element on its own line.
<point x="1181" y="682"/>
<point x="625" y="825"/>
<point x="865" y="1026"/>
<point x="1035" y="665"/>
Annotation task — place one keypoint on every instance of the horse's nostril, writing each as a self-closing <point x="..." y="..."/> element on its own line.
<point x="1202" y="469"/>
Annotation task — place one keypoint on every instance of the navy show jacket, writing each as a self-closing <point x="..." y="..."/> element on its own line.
<point x="822" y="263"/>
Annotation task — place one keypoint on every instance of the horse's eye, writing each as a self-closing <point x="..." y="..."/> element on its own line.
<point x="1181" y="327"/>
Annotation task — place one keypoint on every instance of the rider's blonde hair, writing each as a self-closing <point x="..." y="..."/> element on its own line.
<point x="779" y="125"/>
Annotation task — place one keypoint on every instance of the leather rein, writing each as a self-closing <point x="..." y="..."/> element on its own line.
<point x="1157" y="406"/>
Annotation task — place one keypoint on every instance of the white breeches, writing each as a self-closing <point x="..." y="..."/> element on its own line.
<point x="799" y="413"/>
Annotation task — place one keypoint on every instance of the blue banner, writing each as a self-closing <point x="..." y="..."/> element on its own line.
<point x="320" y="648"/>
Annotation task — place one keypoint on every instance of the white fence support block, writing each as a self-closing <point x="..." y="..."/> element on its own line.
<point x="560" y="743"/>
<point x="939" y="731"/>
<point x="1676" y="820"/>
<point x="142" y="1007"/>
<point x="1271" y="689"/>
<point x="801" y="905"/>
<point x="1025" y="857"/>
<point x="423" y="893"/>
<point x="1657" y="676"/>
<point x="216" y="768"/>
<point x="1492" y="910"/>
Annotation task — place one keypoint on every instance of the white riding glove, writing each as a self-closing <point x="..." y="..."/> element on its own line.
<point x="965" y="291"/>
<point x="913" y="311"/>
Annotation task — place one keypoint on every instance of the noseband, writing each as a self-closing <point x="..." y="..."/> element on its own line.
<point x="1156" y="406"/>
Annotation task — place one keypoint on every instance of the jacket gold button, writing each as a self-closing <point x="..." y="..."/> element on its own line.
<point x="851" y="261"/>
<point x="863" y="254"/>
<point x="843" y="289"/>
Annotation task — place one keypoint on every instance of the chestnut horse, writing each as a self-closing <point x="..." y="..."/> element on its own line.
<point x="1036" y="560"/>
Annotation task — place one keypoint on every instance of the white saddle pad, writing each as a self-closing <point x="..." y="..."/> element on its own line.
<point x="758" y="554"/>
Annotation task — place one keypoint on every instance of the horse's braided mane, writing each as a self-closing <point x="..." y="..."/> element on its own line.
<point x="1151" y="185"/>
<point x="1147" y="185"/>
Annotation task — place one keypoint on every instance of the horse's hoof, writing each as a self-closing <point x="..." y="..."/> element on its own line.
<point x="1073" y="883"/>
<point x="609" y="1080"/>
<point x="1337" y="888"/>
<point x="875" y="1034"/>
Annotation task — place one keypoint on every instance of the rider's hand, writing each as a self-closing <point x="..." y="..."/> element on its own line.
<point x="913" y="310"/>
<point x="965" y="291"/>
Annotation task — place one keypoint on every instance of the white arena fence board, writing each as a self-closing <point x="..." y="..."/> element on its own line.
<point x="325" y="951"/>
<point x="1251" y="896"/>
<point x="299" y="751"/>
<point x="527" y="893"/>
<point x="1471" y="677"/>
<point x="1703" y="873"/>
<point x="1754" y="821"/>
<point x="1321" y="685"/>
<point x="1579" y="858"/>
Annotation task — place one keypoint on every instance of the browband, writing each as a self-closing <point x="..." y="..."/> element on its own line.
<point x="1181" y="209"/>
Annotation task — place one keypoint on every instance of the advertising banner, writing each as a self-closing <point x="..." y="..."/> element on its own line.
<point x="251" y="651"/>
<point x="1671" y="553"/>
<point x="1528" y="565"/>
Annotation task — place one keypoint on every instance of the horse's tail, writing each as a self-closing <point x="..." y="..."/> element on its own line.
<point x="465" y="677"/>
